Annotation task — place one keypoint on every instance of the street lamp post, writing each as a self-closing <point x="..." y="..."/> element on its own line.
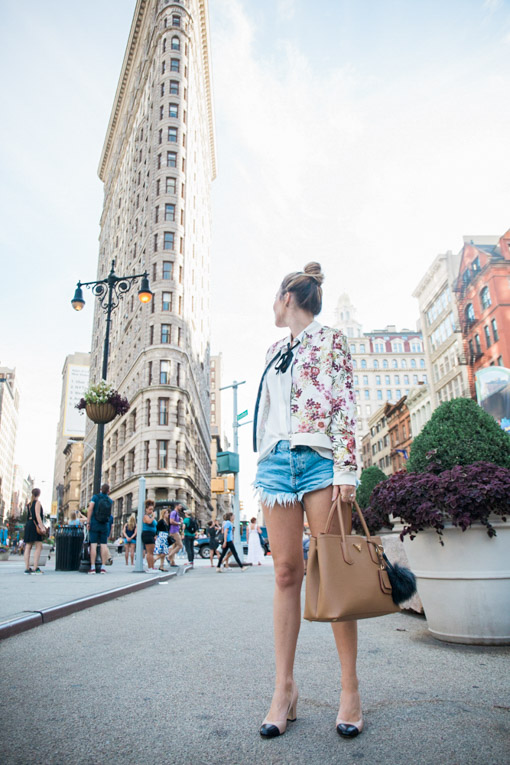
<point x="110" y="292"/>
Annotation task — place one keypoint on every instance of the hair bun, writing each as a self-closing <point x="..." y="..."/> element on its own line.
<point x="314" y="269"/>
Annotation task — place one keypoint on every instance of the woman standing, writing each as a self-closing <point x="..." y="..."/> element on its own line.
<point x="149" y="533"/>
<point x="213" y="529"/>
<point x="175" y="532"/>
<point x="34" y="533"/>
<point x="255" y="551"/>
<point x="161" y="547"/>
<point x="304" y="432"/>
<point x="129" y="534"/>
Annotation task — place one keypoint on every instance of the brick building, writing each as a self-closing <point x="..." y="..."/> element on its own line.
<point x="483" y="295"/>
<point x="399" y="432"/>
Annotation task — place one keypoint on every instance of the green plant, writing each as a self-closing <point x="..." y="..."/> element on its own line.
<point x="459" y="433"/>
<point x="370" y="477"/>
<point x="103" y="393"/>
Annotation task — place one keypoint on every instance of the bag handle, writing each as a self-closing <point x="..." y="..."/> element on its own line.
<point x="337" y="505"/>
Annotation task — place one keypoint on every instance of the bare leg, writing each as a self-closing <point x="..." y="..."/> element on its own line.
<point x="127" y="554"/>
<point x="26" y="554"/>
<point x="37" y="553"/>
<point x="132" y="549"/>
<point x="285" y="531"/>
<point x="93" y="553"/>
<point x="150" y="555"/>
<point x="105" y="555"/>
<point x="317" y="506"/>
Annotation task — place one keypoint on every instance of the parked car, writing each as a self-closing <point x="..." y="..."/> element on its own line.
<point x="202" y="543"/>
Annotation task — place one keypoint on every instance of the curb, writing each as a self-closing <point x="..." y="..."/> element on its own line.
<point x="37" y="618"/>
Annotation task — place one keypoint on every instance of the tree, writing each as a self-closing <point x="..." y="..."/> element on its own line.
<point x="370" y="477"/>
<point x="459" y="433"/>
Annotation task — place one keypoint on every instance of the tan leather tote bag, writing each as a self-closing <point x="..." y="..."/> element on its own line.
<point x="346" y="576"/>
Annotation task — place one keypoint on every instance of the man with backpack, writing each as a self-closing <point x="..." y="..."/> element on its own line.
<point x="98" y="517"/>
<point x="190" y="530"/>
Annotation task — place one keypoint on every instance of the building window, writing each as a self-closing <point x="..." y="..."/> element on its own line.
<point x="396" y="379"/>
<point x="394" y="363"/>
<point x="170" y="212"/>
<point x="164" y="44"/>
<point x="413" y="363"/>
<point x="163" y="67"/>
<point x="162" y="455"/>
<point x="173" y="111"/>
<point x="174" y="64"/>
<point x="416" y="347"/>
<point x="162" y="411"/>
<point x="149" y="375"/>
<point x="172" y="134"/>
<point x="471" y="349"/>
<point x="156" y="214"/>
<point x="379" y="347"/>
<point x="146" y="455"/>
<point x="352" y="348"/>
<point x="171" y="186"/>
<point x="500" y="361"/>
<point x="362" y="348"/>
<point x="469" y="313"/>
<point x="415" y="379"/>
<point x="176" y="43"/>
<point x="485" y="298"/>
<point x="155" y="242"/>
<point x="379" y="394"/>
<point x="494" y="330"/>
<point x="164" y="372"/>
<point x="376" y="364"/>
<point x="174" y="88"/>
<point x="151" y="334"/>
<point x="363" y="363"/>
<point x="378" y="379"/>
<point x="367" y="394"/>
<point x="398" y="394"/>
<point x="396" y="347"/>
<point x="478" y="346"/>
<point x="167" y="269"/>
<point x="365" y="379"/>
<point x="422" y="363"/>
<point x="166" y="301"/>
<point x="159" y="159"/>
<point x="171" y="159"/>
<point x="387" y="379"/>
<point x="148" y="412"/>
<point x="169" y="240"/>
<point x="166" y="333"/>
<point x="424" y="378"/>
<point x="176" y="20"/>
<point x="487" y="336"/>
<point x="356" y="380"/>
<point x="388" y="395"/>
<point x="406" y="379"/>
<point x="385" y="364"/>
<point x="403" y="363"/>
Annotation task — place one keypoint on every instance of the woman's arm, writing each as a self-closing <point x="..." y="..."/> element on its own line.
<point x="38" y="514"/>
<point x="343" y="416"/>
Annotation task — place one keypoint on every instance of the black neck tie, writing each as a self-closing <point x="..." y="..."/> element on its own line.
<point x="285" y="359"/>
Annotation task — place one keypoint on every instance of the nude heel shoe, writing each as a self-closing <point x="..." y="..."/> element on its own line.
<point x="349" y="729"/>
<point x="271" y="730"/>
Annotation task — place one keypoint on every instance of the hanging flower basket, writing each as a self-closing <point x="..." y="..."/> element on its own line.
<point x="103" y="403"/>
<point x="101" y="413"/>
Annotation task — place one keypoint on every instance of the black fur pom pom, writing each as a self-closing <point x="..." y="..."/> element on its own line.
<point x="402" y="580"/>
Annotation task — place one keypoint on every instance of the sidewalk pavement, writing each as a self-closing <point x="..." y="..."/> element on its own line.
<point x="183" y="675"/>
<point x="23" y="597"/>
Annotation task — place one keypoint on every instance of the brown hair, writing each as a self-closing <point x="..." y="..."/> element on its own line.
<point x="227" y="516"/>
<point x="105" y="488"/>
<point x="36" y="493"/>
<point x="306" y="287"/>
<point x="253" y="520"/>
<point x="149" y="503"/>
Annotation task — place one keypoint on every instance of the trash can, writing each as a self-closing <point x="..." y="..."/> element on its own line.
<point x="69" y="543"/>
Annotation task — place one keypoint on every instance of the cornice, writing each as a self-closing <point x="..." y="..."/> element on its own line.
<point x="134" y="41"/>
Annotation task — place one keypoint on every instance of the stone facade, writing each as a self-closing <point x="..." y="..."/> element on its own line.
<point x="377" y="441"/>
<point x="444" y="352"/>
<point x="71" y="495"/>
<point x="9" y="408"/>
<point x="387" y="363"/>
<point x="157" y="166"/>
<point x="419" y="404"/>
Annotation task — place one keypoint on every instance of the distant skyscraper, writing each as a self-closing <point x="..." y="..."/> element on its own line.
<point x="71" y="424"/>
<point x="157" y="166"/>
<point x="9" y="406"/>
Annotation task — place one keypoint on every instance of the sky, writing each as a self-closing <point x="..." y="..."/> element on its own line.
<point x="368" y="135"/>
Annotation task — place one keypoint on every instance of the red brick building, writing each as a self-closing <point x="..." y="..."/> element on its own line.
<point x="483" y="295"/>
<point x="399" y="430"/>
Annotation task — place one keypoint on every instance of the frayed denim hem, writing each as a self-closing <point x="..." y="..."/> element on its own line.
<point x="286" y="498"/>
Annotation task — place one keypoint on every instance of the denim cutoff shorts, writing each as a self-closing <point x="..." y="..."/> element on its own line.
<point x="286" y="474"/>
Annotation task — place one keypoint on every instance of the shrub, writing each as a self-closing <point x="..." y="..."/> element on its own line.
<point x="463" y="495"/>
<point x="459" y="433"/>
<point x="104" y="393"/>
<point x="370" y="477"/>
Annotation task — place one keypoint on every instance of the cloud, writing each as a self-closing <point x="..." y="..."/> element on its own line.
<point x="286" y="9"/>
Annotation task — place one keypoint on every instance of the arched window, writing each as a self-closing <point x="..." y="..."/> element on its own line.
<point x="394" y="363"/>
<point x="469" y="313"/>
<point x="385" y="364"/>
<point x="413" y="363"/>
<point x="363" y="363"/>
<point x="176" y="43"/>
<point x="422" y="363"/>
<point x="485" y="298"/>
<point x="403" y="364"/>
<point x="354" y="364"/>
<point x="376" y="364"/>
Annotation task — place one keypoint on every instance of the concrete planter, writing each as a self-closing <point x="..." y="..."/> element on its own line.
<point x="465" y="584"/>
<point x="396" y="553"/>
<point x="4" y="554"/>
<point x="45" y="552"/>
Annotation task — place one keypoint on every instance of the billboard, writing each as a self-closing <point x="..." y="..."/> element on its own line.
<point x="77" y="381"/>
<point x="493" y="393"/>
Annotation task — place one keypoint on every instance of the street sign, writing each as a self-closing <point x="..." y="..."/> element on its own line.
<point x="243" y="414"/>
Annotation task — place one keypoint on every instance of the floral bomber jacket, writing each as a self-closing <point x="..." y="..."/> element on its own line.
<point x="322" y="398"/>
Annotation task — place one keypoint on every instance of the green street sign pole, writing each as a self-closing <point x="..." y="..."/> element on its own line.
<point x="243" y="414"/>
<point x="237" y="515"/>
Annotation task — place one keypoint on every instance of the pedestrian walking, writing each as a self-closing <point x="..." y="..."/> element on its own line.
<point x="34" y="533"/>
<point x="190" y="531"/>
<point x="76" y="519"/>
<point x="149" y="528"/>
<point x="161" y="546"/>
<point x="98" y="525"/>
<point x="213" y="529"/>
<point x="228" y="542"/>
<point x="304" y="426"/>
<point x="129" y="537"/>
<point x="174" y="533"/>
<point x="255" y="550"/>
<point x="306" y="547"/>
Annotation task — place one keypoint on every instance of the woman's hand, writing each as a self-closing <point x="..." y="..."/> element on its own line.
<point x="346" y="491"/>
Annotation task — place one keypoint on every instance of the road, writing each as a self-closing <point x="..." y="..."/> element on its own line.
<point x="181" y="674"/>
